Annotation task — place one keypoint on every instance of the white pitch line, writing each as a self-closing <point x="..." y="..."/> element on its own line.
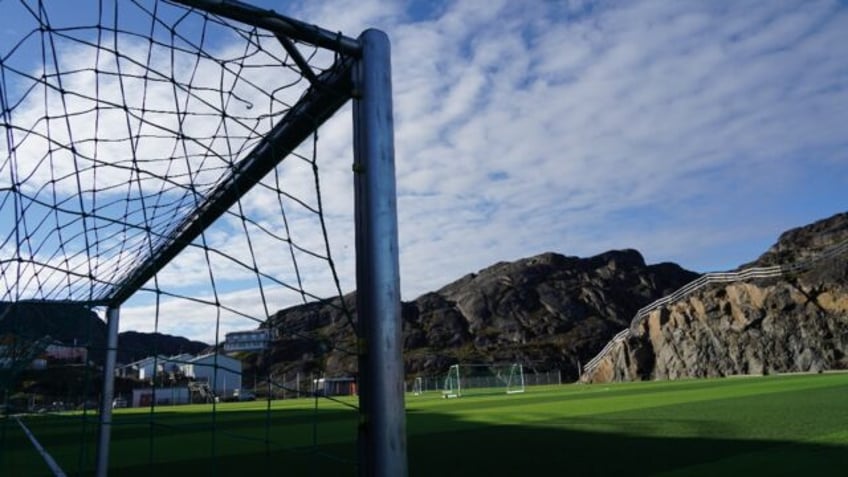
<point x="54" y="467"/>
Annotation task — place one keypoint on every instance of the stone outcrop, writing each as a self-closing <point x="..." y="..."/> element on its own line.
<point x="135" y="345"/>
<point x="805" y="242"/>
<point x="76" y="325"/>
<point x="549" y="312"/>
<point x="797" y="322"/>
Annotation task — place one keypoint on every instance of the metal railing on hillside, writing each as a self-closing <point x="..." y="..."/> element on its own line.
<point x="705" y="279"/>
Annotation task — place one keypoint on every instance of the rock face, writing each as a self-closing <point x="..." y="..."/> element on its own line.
<point x="548" y="312"/>
<point x="134" y="345"/>
<point x="805" y="242"/>
<point x="793" y="323"/>
<point x="69" y="324"/>
<point x="77" y="325"/>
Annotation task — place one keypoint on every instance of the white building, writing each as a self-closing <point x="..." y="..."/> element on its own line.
<point x="67" y="352"/>
<point x="253" y="340"/>
<point x="344" y="386"/>
<point x="222" y="373"/>
<point x="143" y="369"/>
<point x="143" y="397"/>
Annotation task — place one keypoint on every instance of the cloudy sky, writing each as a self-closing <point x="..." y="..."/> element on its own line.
<point x="693" y="131"/>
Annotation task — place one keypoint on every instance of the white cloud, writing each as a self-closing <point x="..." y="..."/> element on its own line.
<point x="695" y="132"/>
<point x="672" y="112"/>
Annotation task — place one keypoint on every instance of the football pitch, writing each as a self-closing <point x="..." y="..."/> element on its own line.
<point x="774" y="425"/>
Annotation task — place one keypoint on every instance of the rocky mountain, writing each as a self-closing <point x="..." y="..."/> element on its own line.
<point x="553" y="312"/>
<point x="796" y="322"/>
<point x="67" y="323"/>
<point x="548" y="312"/>
<point x="802" y="243"/>
<point x="73" y="324"/>
<point x="134" y="345"/>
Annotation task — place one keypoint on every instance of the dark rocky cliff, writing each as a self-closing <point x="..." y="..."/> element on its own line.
<point x="73" y="324"/>
<point x="547" y="312"/>
<point x="797" y="322"/>
<point x="66" y="323"/>
<point x="804" y="242"/>
<point x="135" y="345"/>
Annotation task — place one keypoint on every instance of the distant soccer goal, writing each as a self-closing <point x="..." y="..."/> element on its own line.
<point x="418" y="386"/>
<point x="479" y="379"/>
<point x="161" y="172"/>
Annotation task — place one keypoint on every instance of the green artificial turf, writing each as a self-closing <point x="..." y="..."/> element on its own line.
<point x="776" y="425"/>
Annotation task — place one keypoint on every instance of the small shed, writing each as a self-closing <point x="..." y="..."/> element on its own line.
<point x="344" y="386"/>
<point x="166" y="396"/>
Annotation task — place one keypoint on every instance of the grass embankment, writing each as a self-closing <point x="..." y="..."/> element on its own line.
<point x="782" y="425"/>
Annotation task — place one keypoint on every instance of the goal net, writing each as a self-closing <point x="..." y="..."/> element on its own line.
<point x="480" y="379"/>
<point x="161" y="172"/>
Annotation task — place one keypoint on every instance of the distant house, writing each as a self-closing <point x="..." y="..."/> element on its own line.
<point x="143" y="369"/>
<point x="64" y="352"/>
<point x="176" y="363"/>
<point x="344" y="386"/>
<point x="222" y="373"/>
<point x="218" y="374"/>
<point x="127" y="370"/>
<point x="254" y="340"/>
<point x="160" y="396"/>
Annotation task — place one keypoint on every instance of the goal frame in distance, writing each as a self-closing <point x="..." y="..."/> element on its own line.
<point x="455" y="383"/>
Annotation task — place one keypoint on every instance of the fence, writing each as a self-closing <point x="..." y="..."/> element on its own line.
<point x="713" y="277"/>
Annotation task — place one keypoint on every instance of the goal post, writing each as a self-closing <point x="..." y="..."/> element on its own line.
<point x="452" y="385"/>
<point x="418" y="386"/>
<point x="139" y="134"/>
<point x="480" y="379"/>
<point x="382" y="431"/>
<point x="515" y="379"/>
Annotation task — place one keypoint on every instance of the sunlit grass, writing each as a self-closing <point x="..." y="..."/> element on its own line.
<point x="704" y="427"/>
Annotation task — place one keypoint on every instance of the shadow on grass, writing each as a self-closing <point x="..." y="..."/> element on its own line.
<point x="454" y="447"/>
<point x="523" y="450"/>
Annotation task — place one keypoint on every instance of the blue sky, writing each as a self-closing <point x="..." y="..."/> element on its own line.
<point x="695" y="132"/>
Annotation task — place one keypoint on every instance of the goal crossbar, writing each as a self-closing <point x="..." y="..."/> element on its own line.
<point x="128" y="248"/>
<point x="278" y="24"/>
